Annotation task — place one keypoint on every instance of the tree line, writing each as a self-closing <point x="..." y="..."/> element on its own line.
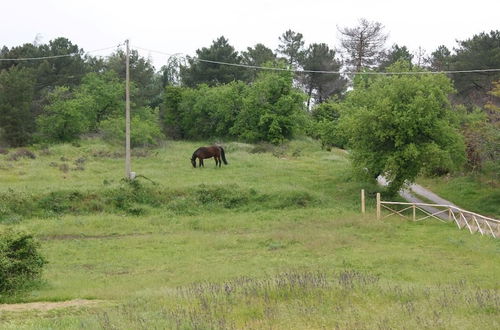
<point x="197" y="97"/>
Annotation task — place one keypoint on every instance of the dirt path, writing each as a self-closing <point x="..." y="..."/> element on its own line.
<point x="472" y="221"/>
<point x="46" y="306"/>
<point x="410" y="192"/>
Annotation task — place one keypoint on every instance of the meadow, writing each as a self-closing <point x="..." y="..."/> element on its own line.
<point x="273" y="240"/>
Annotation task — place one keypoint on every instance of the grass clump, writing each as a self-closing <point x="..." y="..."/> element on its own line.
<point x="21" y="153"/>
<point x="134" y="197"/>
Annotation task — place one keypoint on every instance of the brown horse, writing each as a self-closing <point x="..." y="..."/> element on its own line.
<point x="209" y="152"/>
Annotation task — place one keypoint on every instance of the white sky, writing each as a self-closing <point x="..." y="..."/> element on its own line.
<point x="182" y="26"/>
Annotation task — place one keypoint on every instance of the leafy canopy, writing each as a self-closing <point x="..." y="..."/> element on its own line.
<point x="401" y="125"/>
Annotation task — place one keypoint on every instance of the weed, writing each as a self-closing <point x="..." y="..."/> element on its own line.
<point x="64" y="168"/>
<point x="21" y="153"/>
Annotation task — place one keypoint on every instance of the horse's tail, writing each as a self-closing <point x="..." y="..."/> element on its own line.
<point x="223" y="155"/>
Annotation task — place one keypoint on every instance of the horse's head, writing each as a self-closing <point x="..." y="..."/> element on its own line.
<point x="193" y="162"/>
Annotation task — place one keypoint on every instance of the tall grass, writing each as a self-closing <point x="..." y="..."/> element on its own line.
<point x="345" y="299"/>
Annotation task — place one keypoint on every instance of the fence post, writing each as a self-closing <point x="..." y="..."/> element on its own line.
<point x="378" y="206"/>
<point x="363" y="201"/>
<point x="414" y="212"/>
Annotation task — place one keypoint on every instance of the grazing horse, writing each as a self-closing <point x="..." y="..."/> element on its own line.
<point x="209" y="152"/>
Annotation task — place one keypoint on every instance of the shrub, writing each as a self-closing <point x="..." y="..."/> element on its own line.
<point x="324" y="125"/>
<point x="273" y="110"/>
<point x="64" y="118"/>
<point x="145" y="128"/>
<point x="20" y="262"/>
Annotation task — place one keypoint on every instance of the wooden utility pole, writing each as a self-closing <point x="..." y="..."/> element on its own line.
<point x="127" y="113"/>
<point x="379" y="211"/>
<point x="363" y="201"/>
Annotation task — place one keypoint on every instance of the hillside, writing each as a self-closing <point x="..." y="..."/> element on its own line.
<point x="274" y="240"/>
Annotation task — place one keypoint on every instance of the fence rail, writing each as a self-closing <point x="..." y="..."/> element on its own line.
<point x="446" y="213"/>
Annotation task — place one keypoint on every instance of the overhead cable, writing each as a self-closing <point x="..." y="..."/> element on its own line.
<point x="57" y="56"/>
<point x="319" y="71"/>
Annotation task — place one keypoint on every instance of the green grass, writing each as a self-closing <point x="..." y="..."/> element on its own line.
<point x="273" y="240"/>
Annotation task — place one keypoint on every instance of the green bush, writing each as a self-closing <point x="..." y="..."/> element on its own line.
<point x="269" y="110"/>
<point x="63" y="118"/>
<point x="323" y="126"/>
<point x="145" y="128"/>
<point x="20" y="262"/>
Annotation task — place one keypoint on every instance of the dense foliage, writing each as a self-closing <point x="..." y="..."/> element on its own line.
<point x="324" y="125"/>
<point x="16" y="97"/>
<point x="20" y="261"/>
<point x="270" y="110"/>
<point x="146" y="128"/>
<point x="400" y="126"/>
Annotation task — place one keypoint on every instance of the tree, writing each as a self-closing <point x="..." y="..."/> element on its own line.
<point x="395" y="54"/>
<point x="272" y="109"/>
<point x="363" y="44"/>
<point x="319" y="57"/>
<point x="170" y="113"/>
<point x="202" y="70"/>
<point x="399" y="126"/>
<point x="440" y="59"/>
<point x="482" y="51"/>
<point x="65" y="69"/>
<point x="102" y="95"/>
<point x="482" y="138"/>
<point x="16" y="96"/>
<point x="259" y="55"/>
<point x="145" y="128"/>
<point x="72" y="113"/>
<point x="24" y="51"/>
<point x="61" y="71"/>
<point x="170" y="73"/>
<point x="325" y="117"/>
<point x="147" y="86"/>
<point x="292" y="47"/>
<point x="64" y="118"/>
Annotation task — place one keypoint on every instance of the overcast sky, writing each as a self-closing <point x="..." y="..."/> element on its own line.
<point x="182" y="26"/>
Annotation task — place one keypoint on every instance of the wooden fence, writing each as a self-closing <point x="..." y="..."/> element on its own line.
<point x="446" y="213"/>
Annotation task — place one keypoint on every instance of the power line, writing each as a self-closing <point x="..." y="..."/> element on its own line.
<point x="158" y="51"/>
<point x="255" y="67"/>
<point x="57" y="56"/>
<point x="320" y="71"/>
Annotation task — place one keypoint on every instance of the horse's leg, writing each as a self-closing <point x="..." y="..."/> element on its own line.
<point x="219" y="161"/>
<point x="201" y="162"/>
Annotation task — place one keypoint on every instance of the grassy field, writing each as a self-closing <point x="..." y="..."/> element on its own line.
<point x="273" y="240"/>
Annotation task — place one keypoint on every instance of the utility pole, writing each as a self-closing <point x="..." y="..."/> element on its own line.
<point x="127" y="113"/>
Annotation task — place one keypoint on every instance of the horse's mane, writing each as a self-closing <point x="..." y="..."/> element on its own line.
<point x="194" y="154"/>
